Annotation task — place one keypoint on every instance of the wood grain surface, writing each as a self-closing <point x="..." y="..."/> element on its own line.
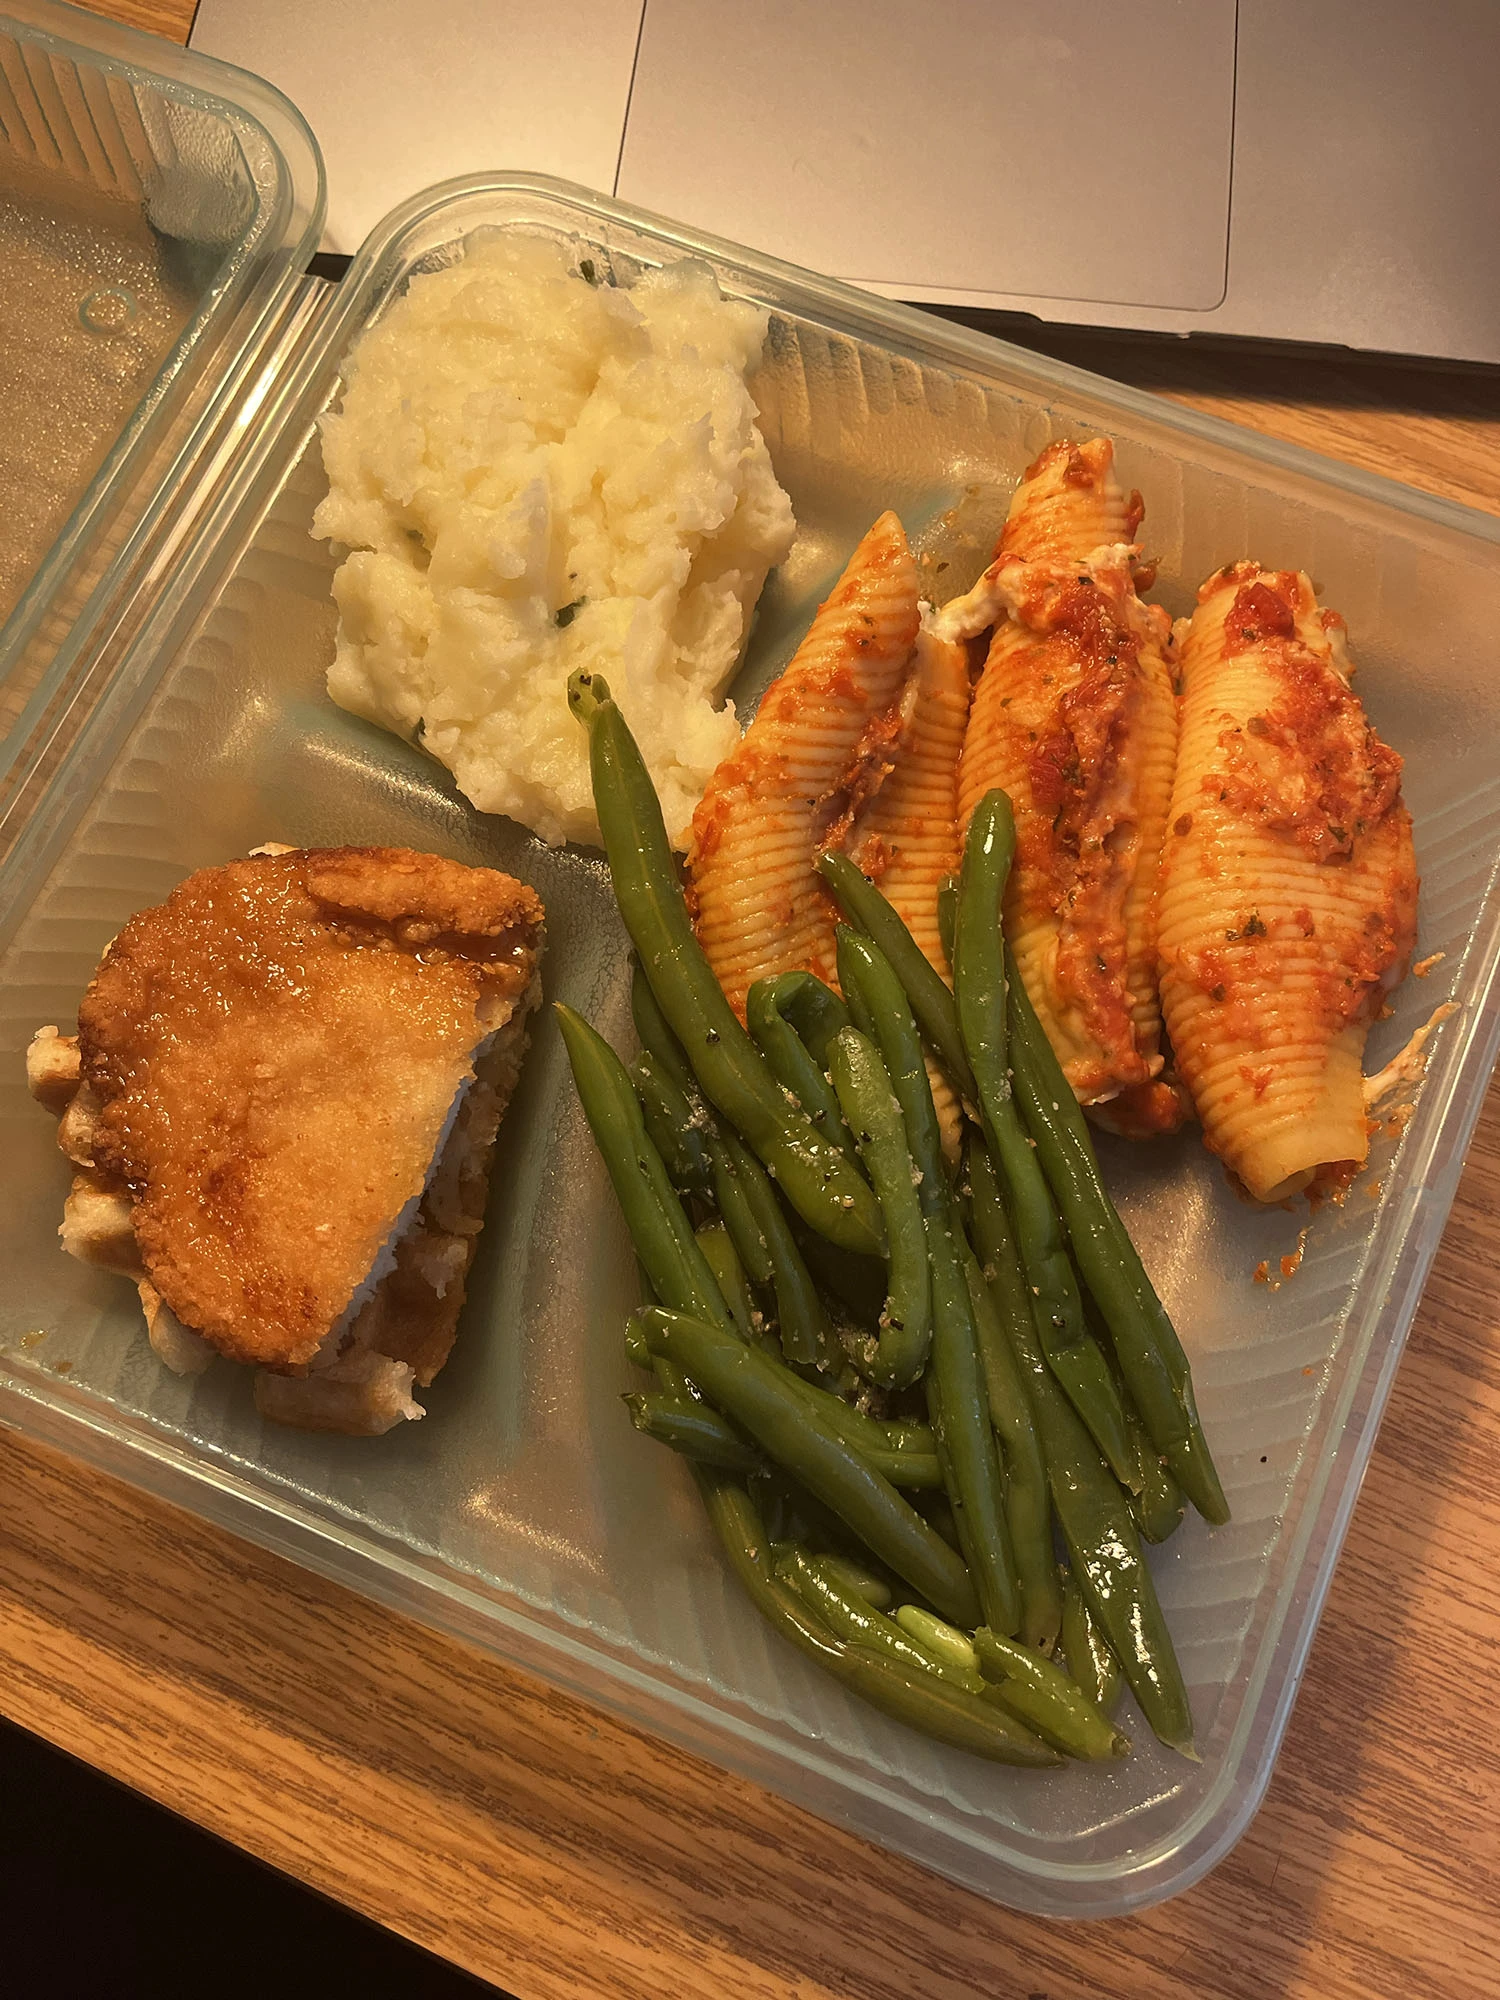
<point x="558" y="1853"/>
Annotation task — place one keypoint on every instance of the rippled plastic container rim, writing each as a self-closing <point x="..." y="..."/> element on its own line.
<point x="407" y="1581"/>
<point x="257" y="277"/>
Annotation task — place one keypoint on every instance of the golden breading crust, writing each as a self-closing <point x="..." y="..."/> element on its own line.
<point x="276" y="1052"/>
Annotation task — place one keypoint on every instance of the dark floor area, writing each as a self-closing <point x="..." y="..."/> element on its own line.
<point x="104" y="1896"/>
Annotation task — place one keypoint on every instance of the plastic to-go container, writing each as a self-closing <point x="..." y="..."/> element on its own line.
<point x="525" y="1513"/>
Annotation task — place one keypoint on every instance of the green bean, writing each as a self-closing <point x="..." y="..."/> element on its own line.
<point x="1093" y="1513"/>
<point x="1028" y="1506"/>
<point x="670" y="1120"/>
<point x="1091" y="1662"/>
<point x="902" y="1436"/>
<point x="1042" y="1696"/>
<point x="944" y="1641"/>
<point x="745" y="1386"/>
<point x="655" y="1034"/>
<point x="980" y="977"/>
<point x="1031" y="1687"/>
<point x="938" y="1514"/>
<point x="928" y="995"/>
<point x="719" y="1252"/>
<point x="902" y="1452"/>
<point x="673" y="1267"/>
<point x="663" y="1236"/>
<point x="883" y="1014"/>
<point x="759" y="1234"/>
<point x="739" y="1215"/>
<point x="636" y="1349"/>
<point x="793" y="1066"/>
<point x="806" y="1336"/>
<point x="813" y="1009"/>
<point x="957" y="1402"/>
<point x="952" y="1714"/>
<point x="1145" y="1342"/>
<point x="979" y="964"/>
<point x="863" y="1582"/>
<point x="800" y="1517"/>
<point x="947" y="914"/>
<point x="869" y="1103"/>
<point x="829" y="1193"/>
<point x="845" y="1613"/>
<point x="692" y="1429"/>
<point x="736" y="1521"/>
<point x="857" y="1283"/>
<point x="1158" y="1507"/>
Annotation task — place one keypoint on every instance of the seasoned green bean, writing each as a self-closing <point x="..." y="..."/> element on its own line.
<point x="1073" y="1355"/>
<point x="903" y="1452"/>
<point x="1094" y="1515"/>
<point x="674" y="1128"/>
<point x="904" y="1436"/>
<point x="655" y="1034"/>
<point x="884" y="1016"/>
<point x="636" y="1349"/>
<point x="938" y="1514"/>
<point x="662" y="1234"/>
<point x="863" y="1582"/>
<point x="1145" y="1342"/>
<point x="1028" y="1505"/>
<point x="944" y="1641"/>
<point x="745" y="1386"/>
<point x="739" y="1214"/>
<point x="869" y="1103"/>
<point x="1090" y="1660"/>
<point x="847" y="1614"/>
<point x="1042" y="1696"/>
<point x="952" y="1714"/>
<point x="737" y="1523"/>
<point x="958" y="1404"/>
<point x="1158" y="1507"/>
<point x="813" y="1009"/>
<point x="692" y="1429"/>
<point x="821" y="1184"/>
<point x="792" y="1064"/>
<point x="719" y="1253"/>
<point x="979" y="962"/>
<point x="857" y="1283"/>
<point x="802" y="1324"/>
<point x="926" y="991"/>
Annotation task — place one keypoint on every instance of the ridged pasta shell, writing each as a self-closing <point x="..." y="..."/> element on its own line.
<point x="907" y="839"/>
<point x="1075" y="718"/>
<point x="1287" y="898"/>
<point x="821" y="741"/>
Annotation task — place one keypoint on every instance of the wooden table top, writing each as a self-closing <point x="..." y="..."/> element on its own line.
<point x="556" y="1852"/>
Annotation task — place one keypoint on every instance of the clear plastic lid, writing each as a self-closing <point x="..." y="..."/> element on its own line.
<point x="156" y="210"/>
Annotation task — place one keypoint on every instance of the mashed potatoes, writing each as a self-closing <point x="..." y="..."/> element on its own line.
<point x="535" y="473"/>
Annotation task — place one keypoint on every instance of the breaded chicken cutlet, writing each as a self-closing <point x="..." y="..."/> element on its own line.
<point x="281" y="1106"/>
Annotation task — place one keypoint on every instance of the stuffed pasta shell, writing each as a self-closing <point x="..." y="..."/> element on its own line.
<point x="822" y="742"/>
<point x="1074" y="717"/>
<point x="1287" y="900"/>
<point x="906" y="839"/>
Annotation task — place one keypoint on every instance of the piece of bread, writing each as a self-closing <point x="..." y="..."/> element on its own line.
<point x="281" y="1106"/>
